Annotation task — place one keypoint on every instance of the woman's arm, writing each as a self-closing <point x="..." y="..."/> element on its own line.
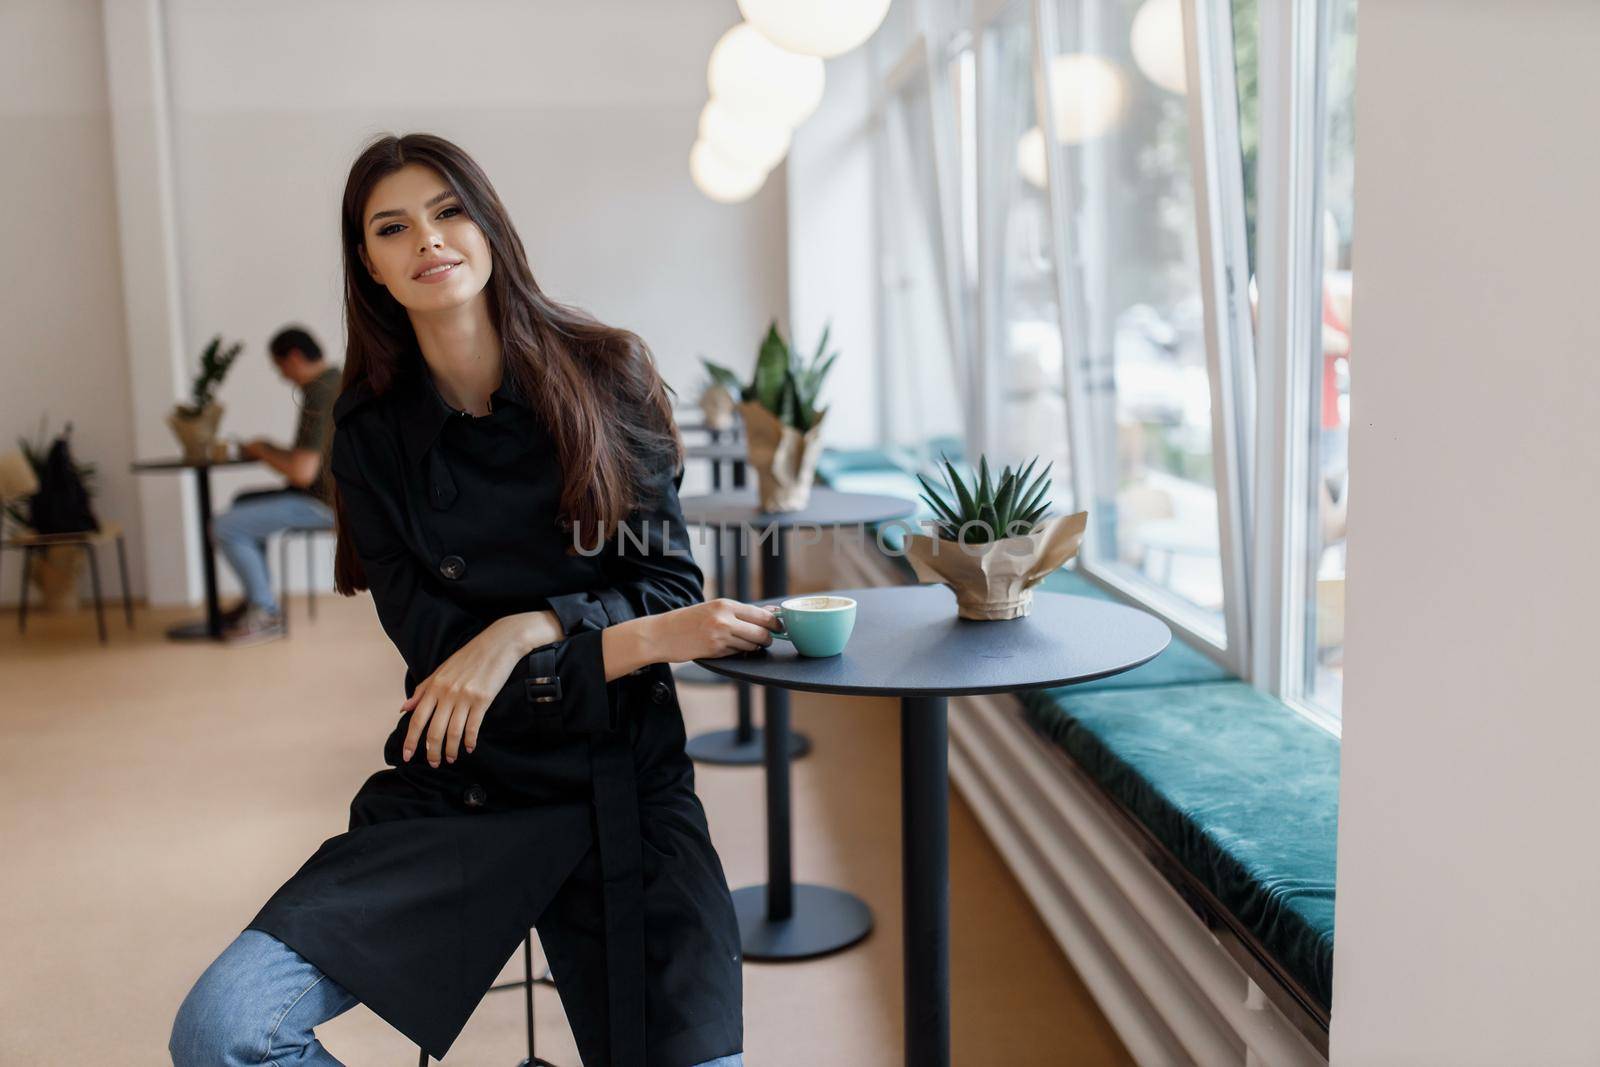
<point x="529" y="664"/>
<point x="649" y="566"/>
<point x="561" y="685"/>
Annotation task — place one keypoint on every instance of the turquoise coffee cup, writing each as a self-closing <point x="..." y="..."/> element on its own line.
<point x="816" y="625"/>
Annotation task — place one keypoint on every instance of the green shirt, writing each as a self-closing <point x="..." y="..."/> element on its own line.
<point x="316" y="423"/>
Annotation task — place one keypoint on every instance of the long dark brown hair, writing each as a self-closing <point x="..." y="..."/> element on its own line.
<point x="596" y="387"/>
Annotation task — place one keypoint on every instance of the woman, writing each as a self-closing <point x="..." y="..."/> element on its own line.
<point x="506" y="474"/>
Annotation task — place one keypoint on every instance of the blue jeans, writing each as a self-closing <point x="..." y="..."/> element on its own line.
<point x="258" y="1003"/>
<point x="241" y="533"/>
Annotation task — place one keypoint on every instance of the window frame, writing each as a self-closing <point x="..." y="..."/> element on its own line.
<point x="1261" y="392"/>
<point x="1293" y="49"/>
<point x="1220" y="241"/>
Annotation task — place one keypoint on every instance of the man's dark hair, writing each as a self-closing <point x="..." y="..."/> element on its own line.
<point x="291" y="338"/>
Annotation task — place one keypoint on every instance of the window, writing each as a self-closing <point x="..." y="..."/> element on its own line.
<point x="1330" y="353"/>
<point x="1121" y="129"/>
<point x="1124" y="245"/>
<point x="923" y="408"/>
<point x="1022" y="353"/>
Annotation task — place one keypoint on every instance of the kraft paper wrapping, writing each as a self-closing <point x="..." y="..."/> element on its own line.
<point x="196" y="433"/>
<point x="716" y="405"/>
<point x="996" y="580"/>
<point x="785" y="459"/>
<point x="17" y="479"/>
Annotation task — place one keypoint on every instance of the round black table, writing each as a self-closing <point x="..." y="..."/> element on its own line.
<point x="739" y="514"/>
<point x="782" y="920"/>
<point x="732" y="451"/>
<point x="909" y="643"/>
<point x="209" y="628"/>
<point x="732" y="431"/>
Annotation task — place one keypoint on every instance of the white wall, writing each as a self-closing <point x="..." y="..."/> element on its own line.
<point x="582" y="114"/>
<point x="1468" y="873"/>
<point x="832" y="267"/>
<point x="61" y="307"/>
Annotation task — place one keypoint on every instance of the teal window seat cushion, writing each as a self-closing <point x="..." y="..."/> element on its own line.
<point x="1240" y="790"/>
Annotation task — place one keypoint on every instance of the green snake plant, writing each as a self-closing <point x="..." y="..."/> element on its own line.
<point x="214" y="364"/>
<point x="994" y="508"/>
<point x="785" y="382"/>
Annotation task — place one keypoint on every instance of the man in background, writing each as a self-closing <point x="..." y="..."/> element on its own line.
<point x="241" y="532"/>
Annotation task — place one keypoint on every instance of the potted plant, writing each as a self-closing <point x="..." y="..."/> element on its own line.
<point x="781" y="418"/>
<point x="992" y="541"/>
<point x="195" y="422"/>
<point x="54" y="570"/>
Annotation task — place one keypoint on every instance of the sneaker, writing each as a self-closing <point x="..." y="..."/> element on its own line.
<point x="255" y="626"/>
<point x="235" y="613"/>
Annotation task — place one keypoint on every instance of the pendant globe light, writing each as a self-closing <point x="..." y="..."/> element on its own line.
<point x="720" y="179"/>
<point x="1087" y="94"/>
<point x="752" y="145"/>
<point x="761" y="82"/>
<point x="822" y="28"/>
<point x="1156" y="40"/>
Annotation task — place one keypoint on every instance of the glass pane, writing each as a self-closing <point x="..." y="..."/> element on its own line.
<point x="1246" y="38"/>
<point x="1026" y="339"/>
<point x="1117" y="85"/>
<point x="1330" y="413"/>
<point x="923" y="401"/>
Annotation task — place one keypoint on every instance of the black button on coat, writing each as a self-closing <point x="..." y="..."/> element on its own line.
<point x="576" y="812"/>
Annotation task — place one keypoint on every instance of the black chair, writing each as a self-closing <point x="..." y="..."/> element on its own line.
<point x="29" y="543"/>
<point x="309" y="534"/>
<point x="526" y="984"/>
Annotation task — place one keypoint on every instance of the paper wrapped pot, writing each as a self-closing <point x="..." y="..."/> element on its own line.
<point x="996" y="580"/>
<point x="785" y="460"/>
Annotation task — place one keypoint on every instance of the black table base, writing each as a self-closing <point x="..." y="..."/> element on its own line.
<point x="194" y="630"/>
<point x="775" y="920"/>
<point x="732" y="748"/>
<point x="741" y="746"/>
<point x="822" y="920"/>
<point x="910" y="643"/>
<point x="209" y="628"/>
<point x="925" y="861"/>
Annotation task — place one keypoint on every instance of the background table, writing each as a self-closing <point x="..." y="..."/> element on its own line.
<point x="209" y="628"/>
<point x="735" y="452"/>
<point x="782" y="920"/>
<point x="909" y="643"/>
<point x="718" y="452"/>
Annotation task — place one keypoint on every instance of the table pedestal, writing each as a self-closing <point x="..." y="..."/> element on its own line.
<point x="782" y="920"/>
<point x="909" y="643"/>
<point x="209" y="628"/>
<point x="741" y="746"/>
<point x="925" y="877"/>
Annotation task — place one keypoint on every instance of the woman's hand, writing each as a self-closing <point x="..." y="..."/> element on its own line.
<point x="715" y="628"/>
<point x="451" y="702"/>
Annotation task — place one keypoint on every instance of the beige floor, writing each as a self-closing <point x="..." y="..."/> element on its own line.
<point x="152" y="795"/>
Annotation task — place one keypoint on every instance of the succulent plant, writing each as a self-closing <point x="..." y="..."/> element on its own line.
<point x="992" y="509"/>
<point x="214" y="364"/>
<point x="785" y="382"/>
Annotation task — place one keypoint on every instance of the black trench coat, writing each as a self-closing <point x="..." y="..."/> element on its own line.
<point x="576" y="812"/>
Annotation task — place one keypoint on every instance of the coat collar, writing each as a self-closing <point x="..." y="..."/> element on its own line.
<point x="423" y="412"/>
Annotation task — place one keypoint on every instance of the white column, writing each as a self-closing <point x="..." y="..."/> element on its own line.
<point x="136" y="81"/>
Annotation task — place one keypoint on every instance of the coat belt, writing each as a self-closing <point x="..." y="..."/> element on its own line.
<point x="616" y="802"/>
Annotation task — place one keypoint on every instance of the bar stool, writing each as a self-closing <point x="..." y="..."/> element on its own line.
<point x="526" y="984"/>
<point x="309" y="534"/>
